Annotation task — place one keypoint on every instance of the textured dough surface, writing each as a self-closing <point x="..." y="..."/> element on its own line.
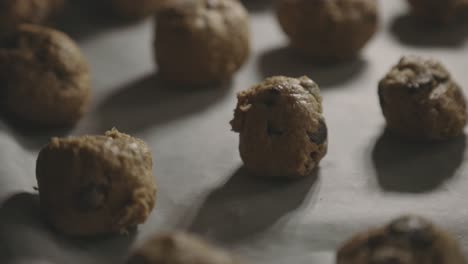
<point x="15" y="12"/>
<point x="328" y="29"/>
<point x="202" y="41"/>
<point x="420" y="100"/>
<point x="439" y="10"/>
<point x="179" y="248"/>
<point x="93" y="185"/>
<point x="281" y="128"/>
<point x="406" y="240"/>
<point x="44" y="79"/>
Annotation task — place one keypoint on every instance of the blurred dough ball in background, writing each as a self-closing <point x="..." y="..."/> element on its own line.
<point x="408" y="239"/>
<point x="14" y="12"/>
<point x="201" y="42"/>
<point x="328" y="30"/>
<point x="439" y="11"/>
<point x="44" y="78"/>
<point x="135" y="9"/>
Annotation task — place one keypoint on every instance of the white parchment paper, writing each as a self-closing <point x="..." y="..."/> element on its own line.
<point x="365" y="180"/>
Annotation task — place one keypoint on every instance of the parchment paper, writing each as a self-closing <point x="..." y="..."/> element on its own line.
<point x="366" y="179"/>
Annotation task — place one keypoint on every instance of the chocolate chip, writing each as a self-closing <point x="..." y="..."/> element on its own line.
<point x="375" y="242"/>
<point x="42" y="57"/>
<point x="320" y="136"/>
<point x="92" y="197"/>
<point x="271" y="95"/>
<point x="421" y="240"/>
<point x="274" y="91"/>
<point x="272" y="130"/>
<point x="313" y="155"/>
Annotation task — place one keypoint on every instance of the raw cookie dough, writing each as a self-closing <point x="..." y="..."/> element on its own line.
<point x="406" y="240"/>
<point x="93" y="185"/>
<point x="179" y="248"/>
<point x="15" y="12"/>
<point x="439" y="11"/>
<point x="420" y="100"/>
<point x="44" y="79"/>
<point x="135" y="9"/>
<point x="199" y="42"/>
<point x="281" y="128"/>
<point x="328" y="30"/>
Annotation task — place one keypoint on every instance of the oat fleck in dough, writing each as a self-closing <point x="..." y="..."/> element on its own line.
<point x="200" y="42"/>
<point x="420" y="100"/>
<point x="406" y="240"/>
<point x="281" y="128"/>
<point x="44" y="79"/>
<point x="15" y="12"/>
<point x="439" y="11"/>
<point x="328" y="30"/>
<point x="93" y="185"/>
<point x="135" y="9"/>
<point x="179" y="248"/>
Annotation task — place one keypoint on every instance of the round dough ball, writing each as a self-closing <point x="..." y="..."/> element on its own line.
<point x="420" y="100"/>
<point x="328" y="29"/>
<point x="281" y="128"/>
<point x="135" y="9"/>
<point x="199" y="42"/>
<point x="15" y="12"/>
<point x="93" y="185"/>
<point x="44" y="77"/>
<point x="439" y="11"/>
<point x="406" y="240"/>
<point x="179" y="248"/>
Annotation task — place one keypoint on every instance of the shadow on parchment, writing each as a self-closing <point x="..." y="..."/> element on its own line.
<point x="245" y="206"/>
<point x="411" y="31"/>
<point x="285" y="61"/>
<point x="24" y="233"/>
<point x="149" y="101"/>
<point x="28" y="135"/>
<point x="415" y="167"/>
<point x="84" y="18"/>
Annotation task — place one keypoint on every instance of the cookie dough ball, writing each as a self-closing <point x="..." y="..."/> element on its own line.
<point x="15" y="12"/>
<point x="281" y="128"/>
<point x="328" y="30"/>
<point x="44" y="79"/>
<point x="93" y="185"/>
<point x="439" y="11"/>
<point x="199" y="42"/>
<point x="420" y="100"/>
<point x="135" y="9"/>
<point x="406" y="240"/>
<point x="179" y="248"/>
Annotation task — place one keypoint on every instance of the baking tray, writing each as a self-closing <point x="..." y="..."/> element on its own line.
<point x="366" y="179"/>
